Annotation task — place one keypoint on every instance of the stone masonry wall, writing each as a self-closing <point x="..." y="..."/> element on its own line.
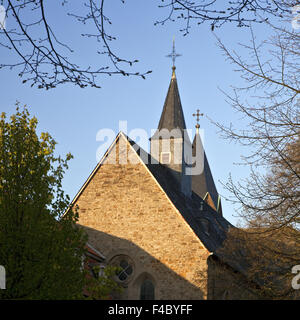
<point x="125" y="212"/>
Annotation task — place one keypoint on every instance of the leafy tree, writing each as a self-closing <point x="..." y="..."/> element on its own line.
<point x="103" y="286"/>
<point x="41" y="249"/>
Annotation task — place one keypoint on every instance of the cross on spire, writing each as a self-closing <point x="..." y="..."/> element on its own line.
<point x="198" y="115"/>
<point x="173" y="54"/>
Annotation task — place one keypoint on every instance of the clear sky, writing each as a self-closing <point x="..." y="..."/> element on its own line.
<point x="73" y="116"/>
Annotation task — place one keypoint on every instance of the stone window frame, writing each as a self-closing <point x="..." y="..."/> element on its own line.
<point x="138" y="282"/>
<point x="145" y="287"/>
<point x="127" y="269"/>
<point x="116" y="261"/>
<point x="163" y="154"/>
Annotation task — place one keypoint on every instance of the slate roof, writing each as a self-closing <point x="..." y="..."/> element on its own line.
<point x="204" y="183"/>
<point x="208" y="225"/>
<point x="172" y="115"/>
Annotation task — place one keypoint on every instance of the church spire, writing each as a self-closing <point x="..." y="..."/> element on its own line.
<point x="203" y="184"/>
<point x="170" y="145"/>
<point x="172" y="115"/>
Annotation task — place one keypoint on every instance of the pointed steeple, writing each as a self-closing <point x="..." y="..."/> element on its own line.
<point x="172" y="115"/>
<point x="203" y="184"/>
<point x="170" y="145"/>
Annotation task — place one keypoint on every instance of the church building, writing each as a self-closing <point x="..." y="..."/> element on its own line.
<point x="145" y="214"/>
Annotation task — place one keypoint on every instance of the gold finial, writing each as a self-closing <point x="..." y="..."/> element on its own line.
<point x="173" y="72"/>
<point x="197" y="115"/>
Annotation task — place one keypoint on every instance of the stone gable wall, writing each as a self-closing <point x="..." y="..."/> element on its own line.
<point x="125" y="212"/>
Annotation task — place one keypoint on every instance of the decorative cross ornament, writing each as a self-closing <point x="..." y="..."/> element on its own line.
<point x="198" y="115"/>
<point x="173" y="55"/>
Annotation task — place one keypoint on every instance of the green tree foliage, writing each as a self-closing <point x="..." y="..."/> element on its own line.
<point x="40" y="248"/>
<point x="102" y="286"/>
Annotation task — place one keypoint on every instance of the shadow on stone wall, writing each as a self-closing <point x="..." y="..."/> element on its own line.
<point x="167" y="283"/>
<point x="225" y="283"/>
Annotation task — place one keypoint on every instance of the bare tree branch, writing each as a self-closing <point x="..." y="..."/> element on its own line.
<point x="44" y="60"/>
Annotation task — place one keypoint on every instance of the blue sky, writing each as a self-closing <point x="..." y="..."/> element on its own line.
<point x="73" y="116"/>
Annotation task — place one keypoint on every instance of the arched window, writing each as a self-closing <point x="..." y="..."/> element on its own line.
<point x="147" y="290"/>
